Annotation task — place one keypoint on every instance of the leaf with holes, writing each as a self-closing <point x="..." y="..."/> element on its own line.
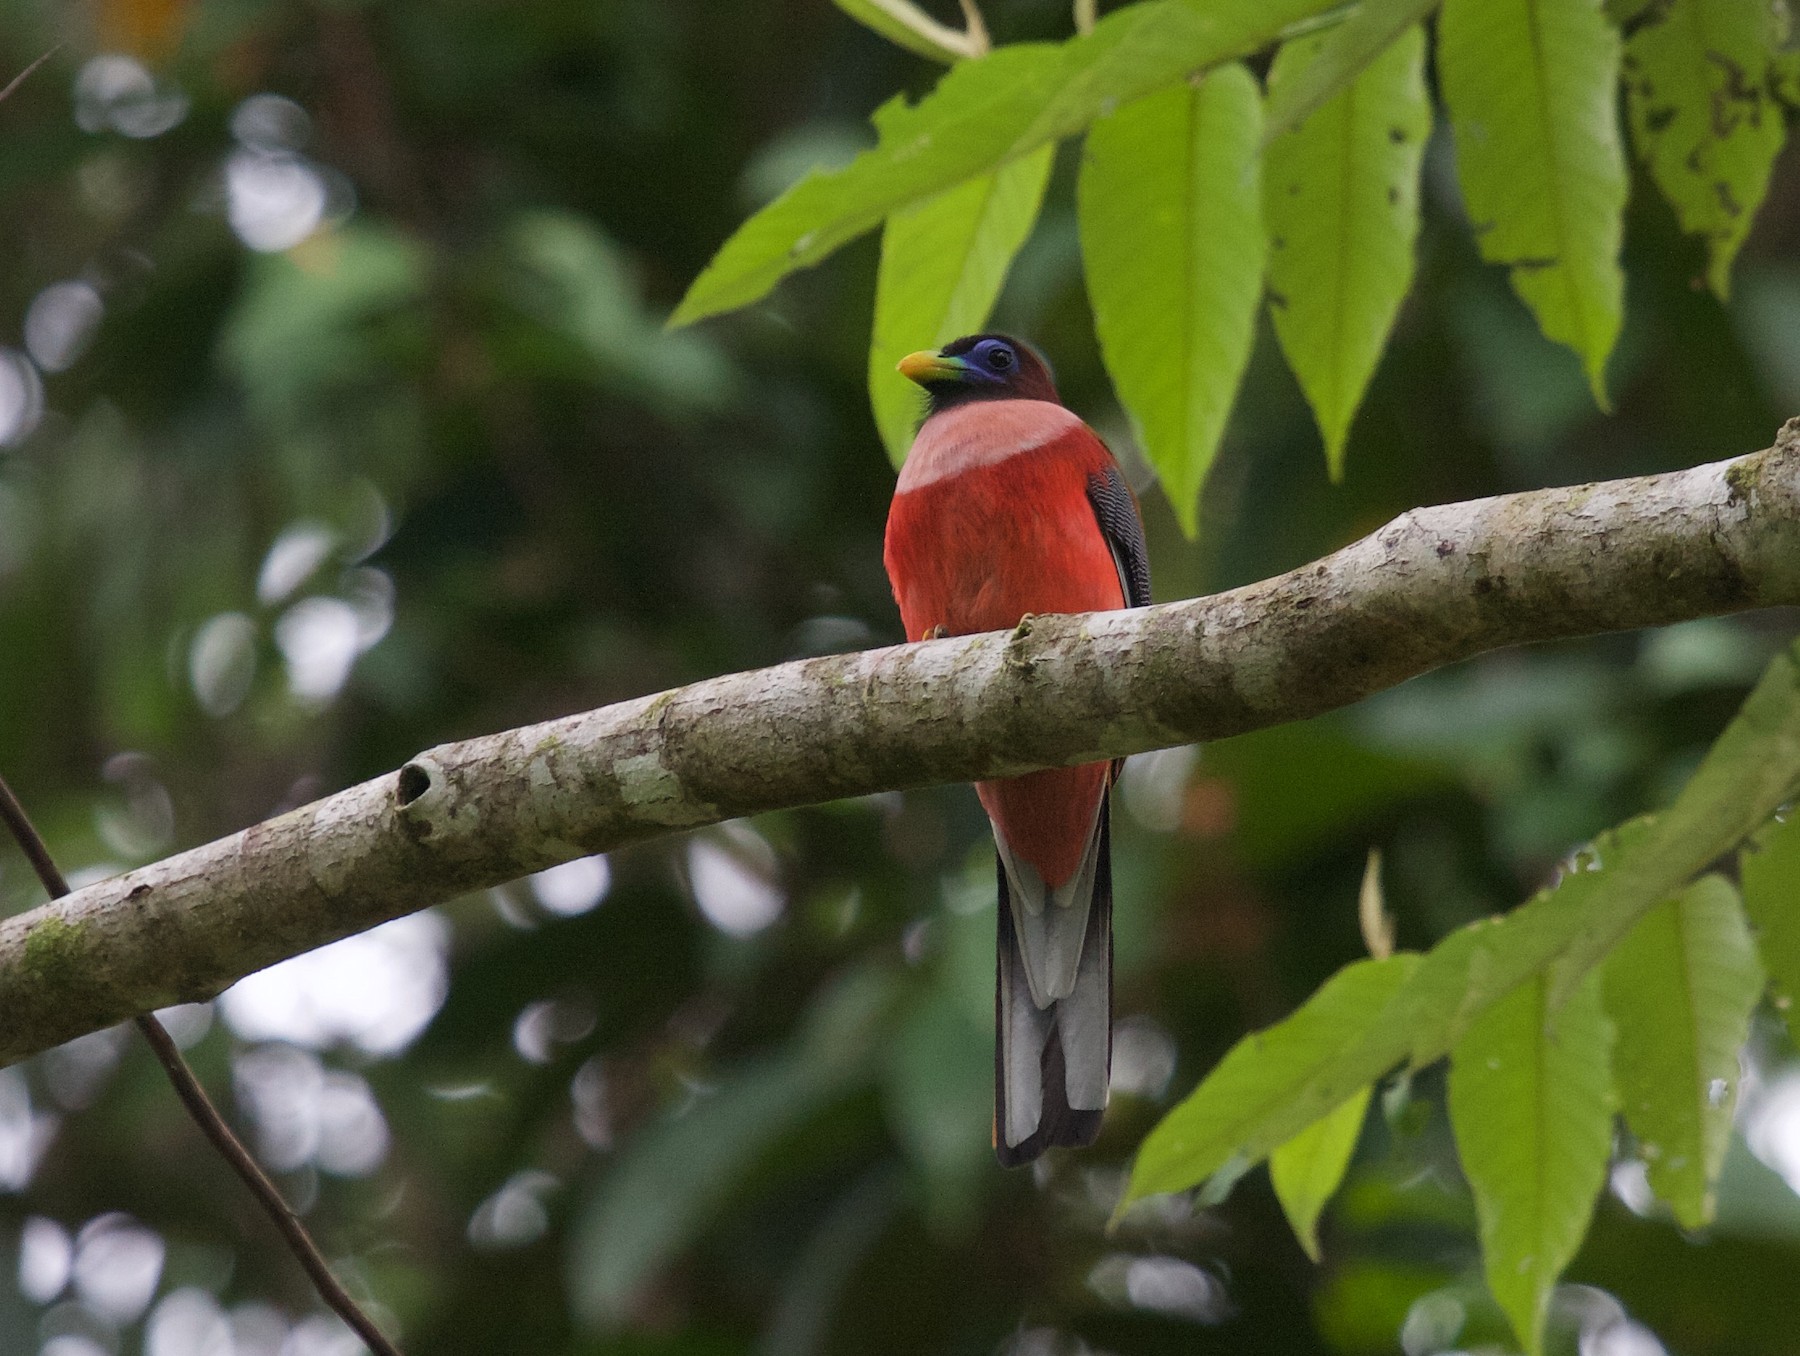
<point x="1680" y="989"/>
<point x="1172" y="242"/>
<point x="1531" y="1109"/>
<point x="1341" y="205"/>
<point x="942" y="266"/>
<point x="1703" y="118"/>
<point x="1531" y="87"/>
<point x="1339" y="57"/>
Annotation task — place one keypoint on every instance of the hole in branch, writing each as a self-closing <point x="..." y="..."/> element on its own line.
<point x="415" y="781"/>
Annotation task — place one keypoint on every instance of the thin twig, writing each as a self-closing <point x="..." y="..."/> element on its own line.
<point x="1086" y="12"/>
<point x="1371" y="910"/>
<point x="940" y="36"/>
<point x="976" y="29"/>
<point x="25" y="74"/>
<point x="205" y="1114"/>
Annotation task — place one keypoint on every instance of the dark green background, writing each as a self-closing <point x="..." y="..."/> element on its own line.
<point x="579" y="509"/>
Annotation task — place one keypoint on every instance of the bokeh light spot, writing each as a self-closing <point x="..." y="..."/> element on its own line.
<point x="1154" y="786"/>
<point x="117" y="1265"/>
<point x="544" y="1025"/>
<point x="61" y="322"/>
<point x="293" y="558"/>
<point x="322" y="1335"/>
<point x="273" y="201"/>
<point x="72" y="1344"/>
<point x="78" y="1070"/>
<point x="320" y="639"/>
<point x="376" y="990"/>
<point x="269" y="122"/>
<point x="306" y="1113"/>
<point x="24" y="1133"/>
<point x="587" y="1091"/>
<point x="21" y="397"/>
<point x="514" y="1215"/>
<point x="222" y="662"/>
<point x="1143" y="1059"/>
<point x="573" y="887"/>
<point x="733" y="885"/>
<point x="1772" y="1125"/>
<point x="188" y="1322"/>
<point x="117" y="93"/>
<point x="45" y="1254"/>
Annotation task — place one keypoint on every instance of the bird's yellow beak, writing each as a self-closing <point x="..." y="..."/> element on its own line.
<point x="926" y="366"/>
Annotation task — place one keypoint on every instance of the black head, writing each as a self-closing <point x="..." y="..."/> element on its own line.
<point x="980" y="367"/>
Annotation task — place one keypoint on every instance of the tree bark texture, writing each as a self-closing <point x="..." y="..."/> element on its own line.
<point x="1434" y="586"/>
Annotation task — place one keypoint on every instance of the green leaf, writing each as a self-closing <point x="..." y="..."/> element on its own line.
<point x="1337" y="58"/>
<point x="942" y="265"/>
<point x="1530" y="87"/>
<point x="1308" y="1169"/>
<point x="1771" y="874"/>
<point x="1680" y="989"/>
<point x="1784" y="77"/>
<point x="1245" y="1108"/>
<point x="1341" y="203"/>
<point x="922" y="34"/>
<point x="1271" y="1085"/>
<point x="982" y="115"/>
<point x="1750" y="771"/>
<point x="1478" y="966"/>
<point x="1172" y="242"/>
<point x="1531" y="1109"/>
<point x="1703" y="119"/>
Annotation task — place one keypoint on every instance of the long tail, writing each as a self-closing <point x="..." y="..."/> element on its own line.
<point x="1052" y="1064"/>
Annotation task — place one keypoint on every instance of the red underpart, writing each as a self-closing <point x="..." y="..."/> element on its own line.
<point x="976" y="552"/>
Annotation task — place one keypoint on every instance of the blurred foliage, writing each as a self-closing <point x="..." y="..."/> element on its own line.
<point x="425" y="464"/>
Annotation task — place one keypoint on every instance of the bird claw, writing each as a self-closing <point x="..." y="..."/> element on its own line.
<point x="935" y="633"/>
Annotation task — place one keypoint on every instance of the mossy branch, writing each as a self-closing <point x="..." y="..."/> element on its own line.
<point x="1434" y="586"/>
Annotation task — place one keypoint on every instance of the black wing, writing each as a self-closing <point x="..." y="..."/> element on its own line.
<point x="1115" y="507"/>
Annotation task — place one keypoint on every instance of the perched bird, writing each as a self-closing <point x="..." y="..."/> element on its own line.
<point x="1009" y="504"/>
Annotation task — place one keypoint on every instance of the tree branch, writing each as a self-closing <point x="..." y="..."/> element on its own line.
<point x="1434" y="586"/>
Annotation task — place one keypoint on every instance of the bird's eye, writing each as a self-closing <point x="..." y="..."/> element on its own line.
<point x="1000" y="359"/>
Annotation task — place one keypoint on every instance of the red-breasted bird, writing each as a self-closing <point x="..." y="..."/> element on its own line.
<point x="1009" y="504"/>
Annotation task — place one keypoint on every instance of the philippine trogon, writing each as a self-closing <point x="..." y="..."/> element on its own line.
<point x="1008" y="504"/>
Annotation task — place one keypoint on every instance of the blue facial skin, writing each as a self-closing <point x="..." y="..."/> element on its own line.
<point x="992" y="362"/>
<point x="980" y="367"/>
